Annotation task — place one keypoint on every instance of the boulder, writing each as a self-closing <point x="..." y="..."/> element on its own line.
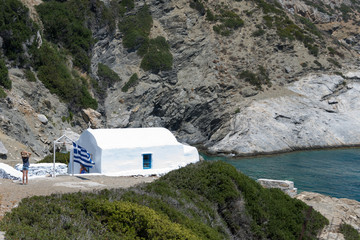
<point x="42" y="118"/>
<point x="91" y="116"/>
<point x="3" y="151"/>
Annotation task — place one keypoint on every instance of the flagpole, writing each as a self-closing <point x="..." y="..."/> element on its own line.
<point x="54" y="162"/>
<point x="72" y="163"/>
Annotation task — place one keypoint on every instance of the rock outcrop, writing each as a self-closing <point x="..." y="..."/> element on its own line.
<point x="284" y="185"/>
<point x="336" y="210"/>
<point x="319" y="111"/>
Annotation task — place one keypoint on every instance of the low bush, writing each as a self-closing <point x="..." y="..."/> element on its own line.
<point x="4" y="75"/>
<point x="133" y="221"/>
<point x="136" y="29"/>
<point x="66" y="22"/>
<point x="131" y="83"/>
<point x="258" y="79"/>
<point x="60" y="158"/>
<point x="334" y="62"/>
<point x="207" y="200"/>
<point x="287" y="29"/>
<point x="349" y="232"/>
<point x="30" y="76"/>
<point x="2" y="93"/>
<point x="16" y="29"/>
<point x="258" y="33"/>
<point x="107" y="76"/>
<point x="199" y="6"/>
<point x="210" y="16"/>
<point x="230" y="21"/>
<point x="157" y="57"/>
<point x="54" y="74"/>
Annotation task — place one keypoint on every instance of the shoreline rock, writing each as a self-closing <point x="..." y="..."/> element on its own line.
<point x="336" y="210"/>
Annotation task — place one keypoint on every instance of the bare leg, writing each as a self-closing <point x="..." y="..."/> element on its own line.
<point x="24" y="176"/>
<point x="27" y="171"/>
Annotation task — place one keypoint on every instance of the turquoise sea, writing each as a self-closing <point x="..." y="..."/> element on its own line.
<point x="332" y="172"/>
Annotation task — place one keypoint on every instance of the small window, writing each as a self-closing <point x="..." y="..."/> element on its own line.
<point x="146" y="161"/>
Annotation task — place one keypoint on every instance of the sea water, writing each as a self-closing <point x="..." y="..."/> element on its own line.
<point x="331" y="172"/>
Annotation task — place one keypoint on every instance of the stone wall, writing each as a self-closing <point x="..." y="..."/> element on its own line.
<point x="284" y="185"/>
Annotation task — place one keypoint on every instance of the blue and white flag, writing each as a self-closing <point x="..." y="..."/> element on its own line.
<point x="82" y="156"/>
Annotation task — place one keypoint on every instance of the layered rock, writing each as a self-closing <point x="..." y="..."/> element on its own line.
<point x="319" y="111"/>
<point x="31" y="115"/>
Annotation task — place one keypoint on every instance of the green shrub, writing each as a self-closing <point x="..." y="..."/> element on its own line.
<point x="4" y="75"/>
<point x="30" y="76"/>
<point x="54" y="74"/>
<point x="210" y="16"/>
<point x="120" y="8"/>
<point x="137" y="222"/>
<point x="318" y="64"/>
<point x="256" y="79"/>
<point x="207" y="200"/>
<point x="16" y="29"/>
<point x="198" y="5"/>
<point x="230" y="21"/>
<point x="131" y="83"/>
<point x="333" y="52"/>
<point x="2" y="93"/>
<point x="158" y="56"/>
<point x="287" y="29"/>
<point x="346" y="11"/>
<point x="267" y="8"/>
<point x="107" y="75"/>
<point x="275" y="215"/>
<point x="310" y="26"/>
<point x="66" y="23"/>
<point x="60" y="158"/>
<point x="334" y="62"/>
<point x="136" y="29"/>
<point x="349" y="232"/>
<point x="258" y="33"/>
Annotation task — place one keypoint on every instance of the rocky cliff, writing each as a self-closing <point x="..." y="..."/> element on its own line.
<point x="252" y="89"/>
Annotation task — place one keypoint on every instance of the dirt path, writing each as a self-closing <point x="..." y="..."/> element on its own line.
<point x="11" y="192"/>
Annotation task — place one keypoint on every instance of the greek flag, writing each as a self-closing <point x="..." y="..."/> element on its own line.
<point x="82" y="156"/>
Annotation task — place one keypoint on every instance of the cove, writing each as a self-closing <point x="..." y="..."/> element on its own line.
<point x="334" y="173"/>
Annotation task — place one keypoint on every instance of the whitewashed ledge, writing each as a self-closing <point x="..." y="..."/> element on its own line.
<point x="284" y="185"/>
<point x="35" y="170"/>
<point x="8" y="172"/>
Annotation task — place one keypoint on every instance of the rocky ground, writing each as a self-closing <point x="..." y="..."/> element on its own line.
<point x="336" y="210"/>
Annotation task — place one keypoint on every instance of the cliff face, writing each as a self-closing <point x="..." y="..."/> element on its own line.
<point x="317" y="111"/>
<point x="208" y="96"/>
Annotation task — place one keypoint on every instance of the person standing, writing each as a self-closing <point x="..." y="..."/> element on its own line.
<point x="26" y="163"/>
